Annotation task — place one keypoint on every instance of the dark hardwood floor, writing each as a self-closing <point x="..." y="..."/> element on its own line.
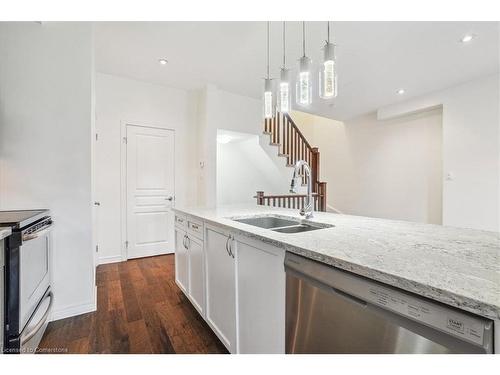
<point x="140" y="309"/>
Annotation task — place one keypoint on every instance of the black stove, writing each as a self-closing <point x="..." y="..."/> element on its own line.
<point x="28" y="296"/>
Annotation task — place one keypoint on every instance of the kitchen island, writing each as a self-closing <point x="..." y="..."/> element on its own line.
<point x="453" y="266"/>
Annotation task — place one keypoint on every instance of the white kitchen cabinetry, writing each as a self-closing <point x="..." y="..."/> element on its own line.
<point x="181" y="260"/>
<point x="236" y="283"/>
<point x="261" y="297"/>
<point x="189" y="262"/>
<point x="221" y="286"/>
<point x="196" y="273"/>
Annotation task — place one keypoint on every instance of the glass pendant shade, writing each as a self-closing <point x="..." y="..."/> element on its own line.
<point x="328" y="73"/>
<point x="284" y="94"/>
<point x="303" y="89"/>
<point x="268" y="98"/>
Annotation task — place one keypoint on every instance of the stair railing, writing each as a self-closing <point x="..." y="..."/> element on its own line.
<point x="293" y="200"/>
<point x="293" y="145"/>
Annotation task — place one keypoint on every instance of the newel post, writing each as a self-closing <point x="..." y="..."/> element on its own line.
<point x="260" y="198"/>
<point x="315" y="169"/>
<point x="322" y="196"/>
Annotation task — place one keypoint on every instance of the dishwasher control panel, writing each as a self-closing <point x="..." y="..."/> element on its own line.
<point x="432" y="314"/>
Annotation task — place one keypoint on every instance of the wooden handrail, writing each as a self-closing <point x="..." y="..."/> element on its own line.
<point x="283" y="195"/>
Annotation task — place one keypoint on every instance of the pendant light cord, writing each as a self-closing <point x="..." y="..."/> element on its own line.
<point x="328" y="28"/>
<point x="284" y="41"/>
<point x="268" y="49"/>
<point x="304" y="38"/>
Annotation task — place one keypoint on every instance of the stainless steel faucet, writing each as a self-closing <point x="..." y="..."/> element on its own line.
<point x="308" y="208"/>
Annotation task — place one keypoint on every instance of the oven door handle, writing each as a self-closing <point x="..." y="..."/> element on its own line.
<point x="37" y="234"/>
<point x="29" y="335"/>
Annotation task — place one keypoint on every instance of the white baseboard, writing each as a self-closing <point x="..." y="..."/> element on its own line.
<point x="109" y="259"/>
<point x="152" y="254"/>
<point x="70" y="311"/>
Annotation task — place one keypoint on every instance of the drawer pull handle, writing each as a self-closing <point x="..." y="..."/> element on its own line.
<point x="26" y="336"/>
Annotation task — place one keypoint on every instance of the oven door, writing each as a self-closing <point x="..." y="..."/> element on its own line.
<point x="34" y="272"/>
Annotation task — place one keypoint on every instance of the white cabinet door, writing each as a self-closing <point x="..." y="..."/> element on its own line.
<point x="181" y="260"/>
<point x="196" y="273"/>
<point x="261" y="297"/>
<point x="221" y="283"/>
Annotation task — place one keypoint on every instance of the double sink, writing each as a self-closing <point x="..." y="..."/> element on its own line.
<point x="282" y="225"/>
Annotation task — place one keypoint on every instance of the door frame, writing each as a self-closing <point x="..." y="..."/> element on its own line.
<point x="123" y="176"/>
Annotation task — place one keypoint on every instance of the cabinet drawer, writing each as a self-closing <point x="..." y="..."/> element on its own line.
<point x="180" y="221"/>
<point x="195" y="227"/>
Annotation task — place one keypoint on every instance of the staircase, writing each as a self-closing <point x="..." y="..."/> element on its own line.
<point x="293" y="146"/>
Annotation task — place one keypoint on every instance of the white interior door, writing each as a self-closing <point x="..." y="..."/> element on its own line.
<point x="150" y="191"/>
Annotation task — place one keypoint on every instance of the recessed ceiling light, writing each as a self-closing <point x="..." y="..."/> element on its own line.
<point x="163" y="61"/>
<point x="467" y="38"/>
<point x="400" y="91"/>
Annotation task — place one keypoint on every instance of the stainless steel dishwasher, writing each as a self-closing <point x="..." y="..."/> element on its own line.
<point x="333" y="311"/>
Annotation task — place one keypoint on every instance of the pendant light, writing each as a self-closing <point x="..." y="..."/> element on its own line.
<point x="268" y="87"/>
<point x="303" y="92"/>
<point x="328" y="70"/>
<point x="284" y="96"/>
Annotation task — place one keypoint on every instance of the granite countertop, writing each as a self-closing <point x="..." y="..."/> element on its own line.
<point x="4" y="232"/>
<point x="458" y="267"/>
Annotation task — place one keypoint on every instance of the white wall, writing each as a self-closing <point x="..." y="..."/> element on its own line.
<point x="397" y="166"/>
<point x="121" y="100"/>
<point x="388" y="169"/>
<point x="471" y="150"/>
<point x="45" y="144"/>
<point x="243" y="168"/>
<point x="219" y="109"/>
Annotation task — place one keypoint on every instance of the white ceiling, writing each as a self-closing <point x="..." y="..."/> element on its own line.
<point x="374" y="58"/>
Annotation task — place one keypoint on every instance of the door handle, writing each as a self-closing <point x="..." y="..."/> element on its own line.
<point x="227" y="246"/>
<point x="97" y="203"/>
<point x="169" y="198"/>
<point x="26" y="336"/>
<point x="231" y="247"/>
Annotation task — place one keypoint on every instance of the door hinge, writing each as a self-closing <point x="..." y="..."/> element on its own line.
<point x="96" y="136"/>
<point x="96" y="248"/>
<point x="126" y="244"/>
<point x="125" y="140"/>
